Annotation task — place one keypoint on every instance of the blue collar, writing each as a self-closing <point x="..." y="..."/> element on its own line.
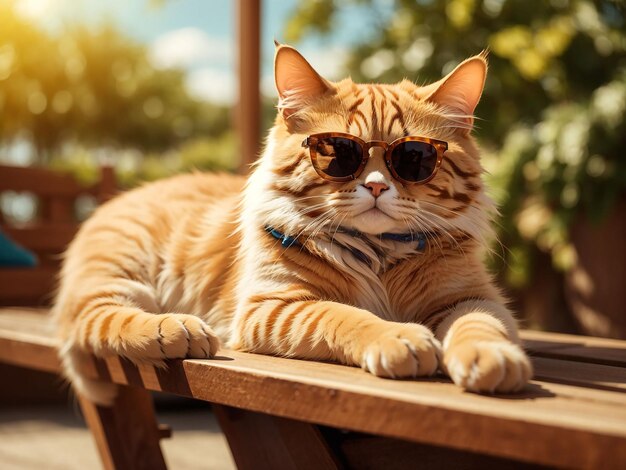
<point x="287" y="241"/>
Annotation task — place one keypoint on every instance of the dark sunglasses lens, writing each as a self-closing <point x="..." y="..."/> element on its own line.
<point x="414" y="161"/>
<point x="338" y="157"/>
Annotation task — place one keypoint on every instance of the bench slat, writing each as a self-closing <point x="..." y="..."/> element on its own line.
<point x="606" y="351"/>
<point x="553" y="424"/>
<point x="40" y="181"/>
<point x="581" y="374"/>
<point x="33" y="285"/>
<point x="43" y="237"/>
<point x="34" y="321"/>
<point x="573" y="415"/>
<point x="26" y="351"/>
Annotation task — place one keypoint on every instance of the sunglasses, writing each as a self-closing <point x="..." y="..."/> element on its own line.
<point x="342" y="157"/>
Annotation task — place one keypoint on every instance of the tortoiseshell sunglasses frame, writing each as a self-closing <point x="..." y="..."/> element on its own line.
<point x="311" y="141"/>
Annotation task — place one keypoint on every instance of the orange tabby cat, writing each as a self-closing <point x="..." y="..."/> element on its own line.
<point x="335" y="248"/>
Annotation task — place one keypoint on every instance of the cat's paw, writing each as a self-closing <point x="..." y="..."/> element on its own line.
<point x="180" y="335"/>
<point x="488" y="366"/>
<point x="402" y="350"/>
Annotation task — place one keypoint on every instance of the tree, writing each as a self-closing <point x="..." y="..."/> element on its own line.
<point x="541" y="52"/>
<point x="93" y="86"/>
<point x="557" y="77"/>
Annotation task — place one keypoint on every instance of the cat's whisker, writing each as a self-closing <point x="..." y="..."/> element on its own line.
<point x="477" y="230"/>
<point x="307" y="198"/>
<point x="443" y="229"/>
<point x="407" y="223"/>
<point x="305" y="211"/>
<point x="316" y="222"/>
<point x="433" y="235"/>
<point x="332" y="239"/>
<point x="345" y="198"/>
<point x="420" y="216"/>
<point x="319" y="227"/>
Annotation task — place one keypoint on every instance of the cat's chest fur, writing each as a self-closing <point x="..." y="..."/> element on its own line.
<point x="370" y="265"/>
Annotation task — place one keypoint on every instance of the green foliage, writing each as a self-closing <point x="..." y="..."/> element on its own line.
<point x="310" y="16"/>
<point x="209" y="154"/>
<point x="214" y="154"/>
<point x="133" y="167"/>
<point x="94" y="86"/>
<point x="566" y="164"/>
<point x="552" y="114"/>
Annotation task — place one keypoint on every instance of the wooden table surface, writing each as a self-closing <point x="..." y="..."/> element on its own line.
<point x="573" y="414"/>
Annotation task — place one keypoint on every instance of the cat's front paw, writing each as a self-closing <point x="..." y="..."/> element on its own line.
<point x="402" y="350"/>
<point x="488" y="366"/>
<point x="179" y="335"/>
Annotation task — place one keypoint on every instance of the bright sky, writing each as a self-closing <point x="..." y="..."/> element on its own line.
<point x="198" y="35"/>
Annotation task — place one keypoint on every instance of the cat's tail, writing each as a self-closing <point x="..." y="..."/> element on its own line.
<point x="76" y="367"/>
<point x="108" y="323"/>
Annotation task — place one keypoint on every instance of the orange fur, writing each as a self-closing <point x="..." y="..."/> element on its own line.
<point x="174" y="268"/>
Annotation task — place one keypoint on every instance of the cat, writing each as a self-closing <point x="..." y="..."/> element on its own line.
<point x="379" y="267"/>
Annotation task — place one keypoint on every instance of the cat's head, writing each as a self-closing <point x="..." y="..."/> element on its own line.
<point x="295" y="196"/>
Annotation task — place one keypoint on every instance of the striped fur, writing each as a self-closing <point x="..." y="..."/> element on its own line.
<point x="180" y="266"/>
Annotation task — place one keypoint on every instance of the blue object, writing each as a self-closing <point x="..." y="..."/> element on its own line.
<point x="287" y="241"/>
<point x="13" y="255"/>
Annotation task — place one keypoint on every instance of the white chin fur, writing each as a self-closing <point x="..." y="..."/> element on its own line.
<point x="374" y="222"/>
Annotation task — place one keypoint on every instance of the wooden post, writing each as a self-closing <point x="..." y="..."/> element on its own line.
<point x="58" y="209"/>
<point x="127" y="434"/>
<point x="259" y="441"/>
<point x="107" y="187"/>
<point x="248" y="113"/>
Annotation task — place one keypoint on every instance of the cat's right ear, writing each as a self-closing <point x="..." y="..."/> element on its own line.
<point x="460" y="90"/>
<point x="297" y="82"/>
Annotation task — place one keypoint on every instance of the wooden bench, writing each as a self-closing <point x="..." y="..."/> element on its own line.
<point x="49" y="232"/>
<point x="285" y="413"/>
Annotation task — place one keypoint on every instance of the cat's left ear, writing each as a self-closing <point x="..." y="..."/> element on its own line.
<point x="297" y="82"/>
<point x="460" y="90"/>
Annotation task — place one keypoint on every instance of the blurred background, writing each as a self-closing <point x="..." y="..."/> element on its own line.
<point x="101" y="95"/>
<point x="152" y="87"/>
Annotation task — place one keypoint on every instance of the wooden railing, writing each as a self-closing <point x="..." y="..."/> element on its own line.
<point x="49" y="232"/>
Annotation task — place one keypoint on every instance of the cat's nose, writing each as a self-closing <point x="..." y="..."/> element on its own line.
<point x="376" y="188"/>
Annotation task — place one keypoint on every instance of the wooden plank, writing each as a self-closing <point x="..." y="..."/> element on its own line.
<point x="40" y="181"/>
<point x="560" y="339"/>
<point x="106" y="188"/>
<point x="521" y="427"/>
<point x="35" y="321"/>
<point x="43" y="237"/>
<point x="597" y="376"/>
<point x="58" y="209"/>
<point x="552" y="424"/>
<point x="28" y="339"/>
<point x="32" y="285"/>
<point x="19" y="350"/>
<point x="248" y="113"/>
<point x="165" y="431"/>
<point x="373" y="453"/>
<point x="575" y="348"/>
<point x="25" y="386"/>
<point x="565" y="420"/>
<point x="260" y="441"/>
<point x="126" y="434"/>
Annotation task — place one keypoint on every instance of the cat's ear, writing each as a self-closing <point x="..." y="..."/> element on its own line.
<point x="297" y="82"/>
<point x="459" y="91"/>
